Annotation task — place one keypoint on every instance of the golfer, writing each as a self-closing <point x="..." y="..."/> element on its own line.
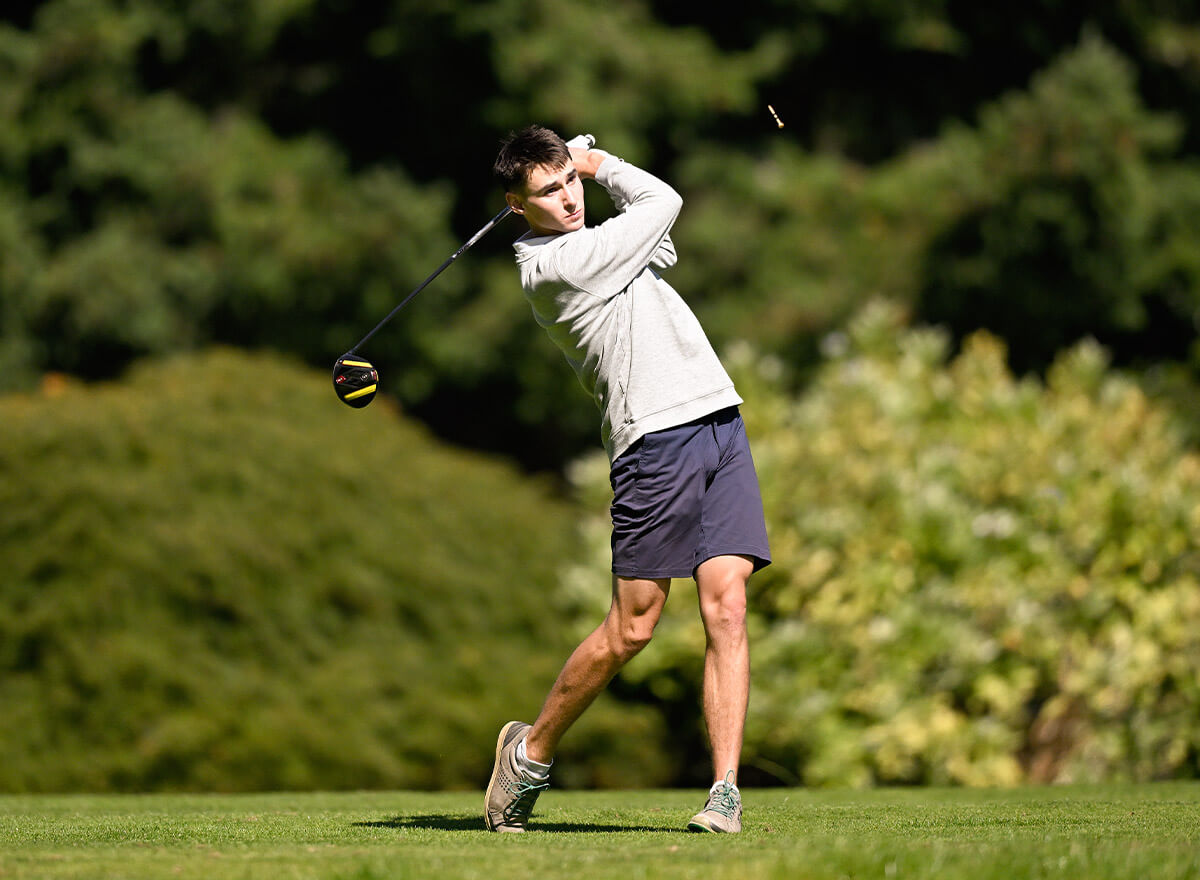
<point x="686" y="501"/>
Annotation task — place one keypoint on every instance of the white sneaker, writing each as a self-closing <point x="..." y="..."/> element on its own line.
<point x="511" y="792"/>
<point x="723" y="812"/>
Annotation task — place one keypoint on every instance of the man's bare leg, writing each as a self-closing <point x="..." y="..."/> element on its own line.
<point x="636" y="607"/>
<point x="721" y="585"/>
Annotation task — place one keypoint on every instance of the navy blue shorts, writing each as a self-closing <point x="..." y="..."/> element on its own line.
<point x="684" y="495"/>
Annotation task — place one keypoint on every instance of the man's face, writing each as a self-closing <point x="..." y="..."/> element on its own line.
<point x="552" y="200"/>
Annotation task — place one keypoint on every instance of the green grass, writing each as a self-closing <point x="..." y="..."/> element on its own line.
<point x="1147" y="831"/>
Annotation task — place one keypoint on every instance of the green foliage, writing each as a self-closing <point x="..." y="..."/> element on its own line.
<point x="782" y="247"/>
<point x="623" y="49"/>
<point x="275" y="173"/>
<point x="870" y="79"/>
<point x="977" y="580"/>
<point x="1072" y="223"/>
<point x="218" y="577"/>
<point x="1066" y="212"/>
<point x="280" y="172"/>
<point x="138" y="224"/>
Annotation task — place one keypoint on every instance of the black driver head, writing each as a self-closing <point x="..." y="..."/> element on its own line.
<point x="355" y="380"/>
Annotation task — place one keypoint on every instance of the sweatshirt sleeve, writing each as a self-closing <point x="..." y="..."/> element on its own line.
<point x="603" y="260"/>
<point x="664" y="257"/>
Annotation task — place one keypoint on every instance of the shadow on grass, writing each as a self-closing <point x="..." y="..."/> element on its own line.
<point x="442" y="822"/>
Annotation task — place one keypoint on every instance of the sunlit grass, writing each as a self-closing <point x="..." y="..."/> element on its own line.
<point x="1093" y="832"/>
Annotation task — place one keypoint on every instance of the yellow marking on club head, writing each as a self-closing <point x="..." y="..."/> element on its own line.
<point x="356" y="364"/>
<point x="361" y="392"/>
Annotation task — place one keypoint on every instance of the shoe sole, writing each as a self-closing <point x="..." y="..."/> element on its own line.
<point x="487" y="797"/>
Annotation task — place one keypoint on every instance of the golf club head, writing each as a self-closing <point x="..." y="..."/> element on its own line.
<point x="355" y="380"/>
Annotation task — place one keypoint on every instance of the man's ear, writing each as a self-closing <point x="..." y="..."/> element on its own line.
<point x="514" y="202"/>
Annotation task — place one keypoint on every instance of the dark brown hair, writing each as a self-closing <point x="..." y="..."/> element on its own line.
<point x="525" y="150"/>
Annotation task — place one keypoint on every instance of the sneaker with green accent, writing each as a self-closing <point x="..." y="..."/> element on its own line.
<point x="511" y="792"/>
<point x="723" y="812"/>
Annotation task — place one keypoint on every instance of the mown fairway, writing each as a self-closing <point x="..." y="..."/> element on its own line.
<point x="1148" y="831"/>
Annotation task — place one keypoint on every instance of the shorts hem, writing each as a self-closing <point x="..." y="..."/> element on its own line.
<point x="756" y="556"/>
<point x="674" y="573"/>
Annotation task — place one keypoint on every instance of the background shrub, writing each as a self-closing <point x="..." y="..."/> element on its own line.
<point x="217" y="577"/>
<point x="977" y="579"/>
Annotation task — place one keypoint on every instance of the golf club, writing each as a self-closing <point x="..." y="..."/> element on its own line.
<point x="355" y="379"/>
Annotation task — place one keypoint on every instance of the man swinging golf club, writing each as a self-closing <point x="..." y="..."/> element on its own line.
<point x="686" y="501"/>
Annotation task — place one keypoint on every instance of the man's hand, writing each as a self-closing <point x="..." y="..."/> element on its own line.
<point x="584" y="158"/>
<point x="587" y="161"/>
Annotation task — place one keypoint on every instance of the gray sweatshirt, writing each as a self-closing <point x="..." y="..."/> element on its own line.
<point x="633" y="342"/>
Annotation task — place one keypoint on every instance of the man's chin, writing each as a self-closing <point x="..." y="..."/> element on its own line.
<point x="559" y="227"/>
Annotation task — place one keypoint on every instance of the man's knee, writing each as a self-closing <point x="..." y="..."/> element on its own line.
<point x="726" y="610"/>
<point x="637" y="606"/>
<point x="628" y="637"/>
<point x="722" y="589"/>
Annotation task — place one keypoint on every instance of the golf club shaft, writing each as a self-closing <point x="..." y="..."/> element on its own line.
<point x="582" y="141"/>
<point x="436" y="272"/>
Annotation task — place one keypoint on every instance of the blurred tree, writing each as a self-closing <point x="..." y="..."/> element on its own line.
<point x="869" y="78"/>
<point x="1074" y="221"/>
<point x="137" y="130"/>
<point x="1065" y="212"/>
<point x="140" y="224"/>
<point x="281" y="172"/>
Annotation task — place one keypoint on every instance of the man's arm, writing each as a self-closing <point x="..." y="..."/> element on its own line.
<point x="587" y="163"/>
<point x="605" y="259"/>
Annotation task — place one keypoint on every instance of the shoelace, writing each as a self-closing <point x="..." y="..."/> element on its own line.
<point x="526" y="794"/>
<point x="724" y="801"/>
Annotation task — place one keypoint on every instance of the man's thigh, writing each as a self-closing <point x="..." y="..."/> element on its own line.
<point x="732" y="521"/>
<point x="658" y="490"/>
